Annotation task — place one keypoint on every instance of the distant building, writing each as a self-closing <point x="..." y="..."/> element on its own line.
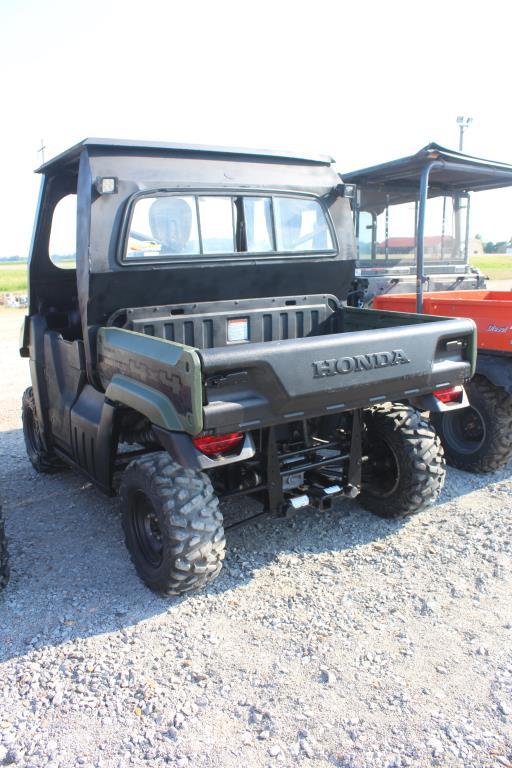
<point x="405" y="246"/>
<point x="434" y="246"/>
<point x="475" y="247"/>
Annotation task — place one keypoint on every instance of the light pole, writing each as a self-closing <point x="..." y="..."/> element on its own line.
<point x="463" y="123"/>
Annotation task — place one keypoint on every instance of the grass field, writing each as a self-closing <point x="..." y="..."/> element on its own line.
<point x="13" y="277"/>
<point x="497" y="266"/>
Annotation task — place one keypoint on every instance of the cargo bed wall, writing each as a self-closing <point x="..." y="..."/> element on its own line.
<point x="204" y="325"/>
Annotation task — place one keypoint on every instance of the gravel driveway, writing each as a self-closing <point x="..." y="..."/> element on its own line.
<point x="333" y="639"/>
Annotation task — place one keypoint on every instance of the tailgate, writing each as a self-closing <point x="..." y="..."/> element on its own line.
<point x="254" y="385"/>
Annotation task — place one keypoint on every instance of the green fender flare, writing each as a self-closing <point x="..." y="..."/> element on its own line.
<point x="150" y="403"/>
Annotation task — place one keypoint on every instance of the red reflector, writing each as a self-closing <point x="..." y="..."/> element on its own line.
<point x="450" y="394"/>
<point x="218" y="443"/>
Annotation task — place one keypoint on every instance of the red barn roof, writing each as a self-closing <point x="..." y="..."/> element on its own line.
<point x="409" y="242"/>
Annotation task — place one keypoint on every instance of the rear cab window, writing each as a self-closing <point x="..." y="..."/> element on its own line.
<point x="176" y="227"/>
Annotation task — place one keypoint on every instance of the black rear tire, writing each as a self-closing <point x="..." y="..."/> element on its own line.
<point x="172" y="524"/>
<point x="4" y="558"/>
<point x="41" y="459"/>
<point x="405" y="471"/>
<point x="478" y="438"/>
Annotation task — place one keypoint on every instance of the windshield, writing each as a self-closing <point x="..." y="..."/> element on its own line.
<point x="389" y="237"/>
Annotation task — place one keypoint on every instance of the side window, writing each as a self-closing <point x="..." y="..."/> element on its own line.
<point x="62" y="247"/>
<point x="301" y="225"/>
<point x="258" y="223"/>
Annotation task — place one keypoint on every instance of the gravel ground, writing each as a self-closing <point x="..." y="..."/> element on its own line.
<point x="333" y="639"/>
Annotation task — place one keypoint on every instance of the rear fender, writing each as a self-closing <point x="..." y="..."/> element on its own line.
<point x="496" y="368"/>
<point x="156" y="377"/>
<point x="147" y="401"/>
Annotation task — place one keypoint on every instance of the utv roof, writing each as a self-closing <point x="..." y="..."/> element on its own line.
<point x="459" y="173"/>
<point x="70" y="158"/>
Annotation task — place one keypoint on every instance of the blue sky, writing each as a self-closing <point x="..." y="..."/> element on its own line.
<point x="364" y="82"/>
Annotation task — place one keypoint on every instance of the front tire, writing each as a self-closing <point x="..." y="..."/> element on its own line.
<point x="405" y="470"/>
<point x="478" y="438"/>
<point x="42" y="460"/>
<point x="172" y="524"/>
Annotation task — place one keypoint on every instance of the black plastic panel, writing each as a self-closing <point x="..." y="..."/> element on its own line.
<point x="137" y="287"/>
<point x="64" y="367"/>
<point x="497" y="368"/>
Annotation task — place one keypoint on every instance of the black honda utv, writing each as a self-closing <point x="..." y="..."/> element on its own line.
<point x="201" y="349"/>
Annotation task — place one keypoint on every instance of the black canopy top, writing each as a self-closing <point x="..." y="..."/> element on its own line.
<point x="69" y="159"/>
<point x="400" y="179"/>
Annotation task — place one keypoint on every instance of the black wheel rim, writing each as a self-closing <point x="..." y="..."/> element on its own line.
<point x="381" y="471"/>
<point x="464" y="430"/>
<point x="146" y="529"/>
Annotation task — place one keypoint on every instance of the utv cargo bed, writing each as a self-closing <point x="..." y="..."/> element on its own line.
<point x="291" y="358"/>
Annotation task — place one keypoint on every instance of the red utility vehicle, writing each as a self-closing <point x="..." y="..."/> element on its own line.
<point x="478" y="438"/>
<point x="412" y="222"/>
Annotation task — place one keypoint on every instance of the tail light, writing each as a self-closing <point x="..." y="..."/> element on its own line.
<point x="213" y="444"/>
<point x="450" y="394"/>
